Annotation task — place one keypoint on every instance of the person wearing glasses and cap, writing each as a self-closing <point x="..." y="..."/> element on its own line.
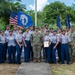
<point x="36" y="43"/>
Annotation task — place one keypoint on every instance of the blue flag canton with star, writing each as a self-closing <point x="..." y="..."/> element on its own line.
<point x="24" y="20"/>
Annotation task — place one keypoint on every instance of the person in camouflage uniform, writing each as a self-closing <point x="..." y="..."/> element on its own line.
<point x="42" y="31"/>
<point x="72" y="45"/>
<point x="36" y="43"/>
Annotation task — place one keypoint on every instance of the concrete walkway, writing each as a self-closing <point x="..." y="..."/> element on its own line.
<point x="34" y="69"/>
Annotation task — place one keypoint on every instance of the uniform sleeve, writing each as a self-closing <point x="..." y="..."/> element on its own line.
<point x="16" y="37"/>
<point x="23" y="35"/>
<point x="74" y="34"/>
<point x="41" y="38"/>
<point x="58" y="39"/>
<point x="51" y="39"/>
<point x="7" y="39"/>
<point x="5" y="33"/>
<point x="0" y="37"/>
<point x="31" y="39"/>
<point x="69" y="40"/>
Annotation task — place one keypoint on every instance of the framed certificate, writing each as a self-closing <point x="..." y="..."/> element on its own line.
<point x="46" y="44"/>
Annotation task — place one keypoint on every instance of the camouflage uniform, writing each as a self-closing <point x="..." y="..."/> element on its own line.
<point x="71" y="46"/>
<point x="43" y="50"/>
<point x="36" y="41"/>
<point x="42" y="33"/>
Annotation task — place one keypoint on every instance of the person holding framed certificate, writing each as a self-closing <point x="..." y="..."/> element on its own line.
<point x="47" y="47"/>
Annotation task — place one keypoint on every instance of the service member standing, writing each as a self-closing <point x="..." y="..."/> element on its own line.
<point x="26" y="41"/>
<point x="36" y="42"/>
<point x="59" y="46"/>
<point x="3" y="46"/>
<point x="72" y="45"/>
<point x="42" y="32"/>
<point x="31" y="31"/>
<point x="50" y="35"/>
<point x="6" y="35"/>
<point x="7" y="31"/>
<point x="55" y="42"/>
<point x="65" y="39"/>
<point x="19" y="45"/>
<point x="11" y="47"/>
<point x="47" y="46"/>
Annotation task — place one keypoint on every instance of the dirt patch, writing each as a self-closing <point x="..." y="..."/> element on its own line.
<point x="57" y="69"/>
<point x="8" y="69"/>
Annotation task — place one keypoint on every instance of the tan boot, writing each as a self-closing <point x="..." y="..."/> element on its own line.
<point x="34" y="60"/>
<point x="38" y="60"/>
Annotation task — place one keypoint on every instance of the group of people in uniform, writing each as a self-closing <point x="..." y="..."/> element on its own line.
<point x="36" y="40"/>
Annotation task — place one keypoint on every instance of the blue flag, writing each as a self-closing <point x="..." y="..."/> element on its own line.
<point x="58" y="21"/>
<point x="68" y="21"/>
<point x="24" y="20"/>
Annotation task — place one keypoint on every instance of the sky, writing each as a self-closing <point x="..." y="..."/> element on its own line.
<point x="41" y="3"/>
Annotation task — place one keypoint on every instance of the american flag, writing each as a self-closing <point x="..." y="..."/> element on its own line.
<point x="13" y="18"/>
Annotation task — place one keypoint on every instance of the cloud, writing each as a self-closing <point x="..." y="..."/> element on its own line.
<point x="40" y="5"/>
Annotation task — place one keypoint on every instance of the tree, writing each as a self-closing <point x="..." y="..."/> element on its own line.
<point x="50" y="11"/>
<point x="6" y="5"/>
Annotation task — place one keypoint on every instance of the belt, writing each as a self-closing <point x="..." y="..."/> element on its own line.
<point x="53" y="43"/>
<point x="64" y="43"/>
<point x="27" y="40"/>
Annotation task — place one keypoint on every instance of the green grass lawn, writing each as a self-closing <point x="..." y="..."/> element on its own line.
<point x="58" y="69"/>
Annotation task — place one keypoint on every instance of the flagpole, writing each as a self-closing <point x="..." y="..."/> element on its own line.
<point x="35" y="12"/>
